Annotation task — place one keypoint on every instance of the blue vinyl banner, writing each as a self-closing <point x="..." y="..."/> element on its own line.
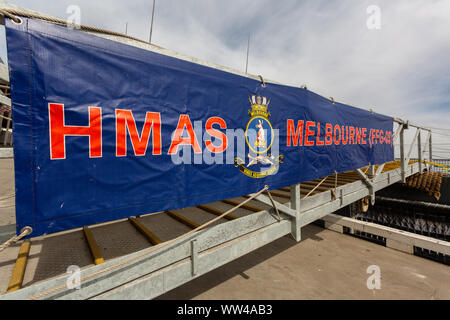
<point x="105" y="131"/>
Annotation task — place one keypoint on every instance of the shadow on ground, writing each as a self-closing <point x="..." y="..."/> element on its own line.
<point x="238" y="267"/>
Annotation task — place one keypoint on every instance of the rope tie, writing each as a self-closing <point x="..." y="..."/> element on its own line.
<point x="367" y="169"/>
<point x="315" y="188"/>
<point x="114" y="267"/>
<point x="274" y="206"/>
<point x="6" y="118"/>
<point x="23" y="233"/>
<point x="11" y="16"/>
<point x="8" y="196"/>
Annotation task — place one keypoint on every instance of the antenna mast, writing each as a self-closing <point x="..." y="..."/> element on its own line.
<point x="248" y="51"/>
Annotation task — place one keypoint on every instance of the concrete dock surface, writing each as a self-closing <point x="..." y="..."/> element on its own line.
<point x="325" y="265"/>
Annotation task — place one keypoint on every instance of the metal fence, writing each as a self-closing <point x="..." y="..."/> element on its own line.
<point x="445" y="162"/>
<point x="435" y="168"/>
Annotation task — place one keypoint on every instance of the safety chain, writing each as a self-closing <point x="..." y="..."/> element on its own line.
<point x="334" y="191"/>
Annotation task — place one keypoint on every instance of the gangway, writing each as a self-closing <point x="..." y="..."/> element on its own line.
<point x="155" y="253"/>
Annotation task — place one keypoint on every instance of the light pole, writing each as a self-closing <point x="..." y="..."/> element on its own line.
<point x="248" y="51"/>
<point x="153" y="17"/>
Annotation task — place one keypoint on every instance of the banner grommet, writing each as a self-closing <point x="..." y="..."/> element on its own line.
<point x="17" y="20"/>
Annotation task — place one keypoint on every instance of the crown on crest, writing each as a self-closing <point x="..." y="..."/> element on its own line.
<point x="260" y="106"/>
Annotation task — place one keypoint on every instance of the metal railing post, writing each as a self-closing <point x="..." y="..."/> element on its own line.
<point x="431" y="150"/>
<point x="371" y="171"/>
<point x="295" y="205"/>
<point x="402" y="154"/>
<point x="419" y="151"/>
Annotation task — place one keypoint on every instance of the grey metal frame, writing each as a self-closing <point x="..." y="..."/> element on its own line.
<point x="187" y="259"/>
<point x="444" y="162"/>
<point x="395" y="239"/>
<point x="206" y="250"/>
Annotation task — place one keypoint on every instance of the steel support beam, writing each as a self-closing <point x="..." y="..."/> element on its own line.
<point x="379" y="171"/>
<point x="194" y="257"/>
<point x="397" y="133"/>
<point x="392" y="235"/>
<point x="292" y="209"/>
<point x="425" y="150"/>
<point x="411" y="148"/>
<point x="402" y="154"/>
<point x="369" y="184"/>
<point x="295" y="205"/>
<point x="431" y="150"/>
<point x="283" y="208"/>
<point x="371" y="174"/>
<point x="419" y="152"/>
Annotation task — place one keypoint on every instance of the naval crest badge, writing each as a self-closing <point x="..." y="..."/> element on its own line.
<point x="259" y="136"/>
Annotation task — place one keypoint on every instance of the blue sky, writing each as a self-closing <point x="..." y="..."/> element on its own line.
<point x="399" y="70"/>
